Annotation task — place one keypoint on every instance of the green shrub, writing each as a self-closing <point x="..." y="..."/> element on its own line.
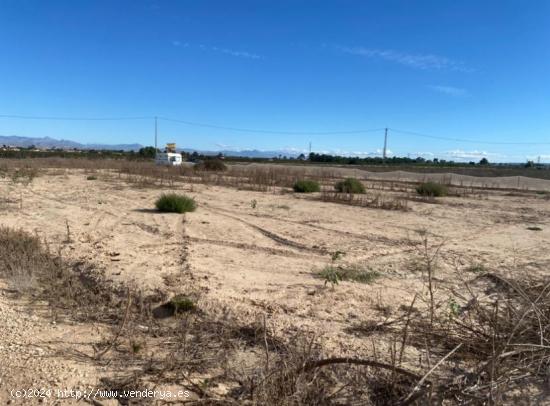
<point x="431" y="189"/>
<point x="335" y="274"/>
<point x="182" y="303"/>
<point x="211" y="165"/>
<point x="330" y="275"/>
<point x="91" y="177"/>
<point x="173" y="203"/>
<point x="306" y="186"/>
<point x="350" y="185"/>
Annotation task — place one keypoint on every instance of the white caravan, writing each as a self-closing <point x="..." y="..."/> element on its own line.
<point x="169" y="157"/>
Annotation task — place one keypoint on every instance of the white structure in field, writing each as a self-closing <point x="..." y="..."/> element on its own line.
<point x="169" y="157"/>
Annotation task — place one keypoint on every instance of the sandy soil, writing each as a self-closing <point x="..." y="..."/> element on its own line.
<point x="258" y="252"/>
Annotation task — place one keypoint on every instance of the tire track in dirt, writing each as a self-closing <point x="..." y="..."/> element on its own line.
<point x="248" y="247"/>
<point x="366" y="237"/>
<point x="271" y="235"/>
<point x="406" y="245"/>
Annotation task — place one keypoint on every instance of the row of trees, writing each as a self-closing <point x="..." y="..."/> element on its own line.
<point x="395" y="160"/>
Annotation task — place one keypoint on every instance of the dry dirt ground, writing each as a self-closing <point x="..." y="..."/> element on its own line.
<point x="256" y="252"/>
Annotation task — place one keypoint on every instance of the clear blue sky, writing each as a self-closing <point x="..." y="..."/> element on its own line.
<point x="461" y="69"/>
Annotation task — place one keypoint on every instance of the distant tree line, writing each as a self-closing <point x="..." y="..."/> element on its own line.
<point x="394" y="160"/>
<point x="148" y="153"/>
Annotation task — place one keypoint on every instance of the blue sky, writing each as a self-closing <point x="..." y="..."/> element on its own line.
<point x="469" y="70"/>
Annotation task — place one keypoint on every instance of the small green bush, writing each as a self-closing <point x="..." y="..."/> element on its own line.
<point x="174" y="203"/>
<point x="431" y="189"/>
<point x="350" y="185"/>
<point x="182" y="303"/>
<point x="91" y="177"/>
<point x="330" y="275"/>
<point x="335" y="274"/>
<point x="211" y="165"/>
<point x="306" y="186"/>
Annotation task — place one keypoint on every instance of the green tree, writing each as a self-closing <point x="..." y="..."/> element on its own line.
<point x="147" y="152"/>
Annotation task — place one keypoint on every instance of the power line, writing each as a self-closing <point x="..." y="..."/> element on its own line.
<point x="192" y="123"/>
<point x="264" y="131"/>
<point x="75" y="118"/>
<point x="466" y="140"/>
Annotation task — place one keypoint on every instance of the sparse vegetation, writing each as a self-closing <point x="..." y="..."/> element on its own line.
<point x="334" y="274"/>
<point x="23" y="175"/>
<point x="211" y="165"/>
<point x="479" y="336"/>
<point x="431" y="189"/>
<point x="375" y="202"/>
<point x="174" y="203"/>
<point x="91" y="177"/>
<point x="350" y="185"/>
<point x="306" y="186"/>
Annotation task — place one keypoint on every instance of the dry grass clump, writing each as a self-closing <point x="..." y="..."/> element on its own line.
<point x="375" y="202"/>
<point x="495" y="341"/>
<point x="30" y="268"/>
<point x="22" y="258"/>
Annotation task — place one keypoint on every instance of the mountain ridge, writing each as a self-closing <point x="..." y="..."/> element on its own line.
<point x="49" y="142"/>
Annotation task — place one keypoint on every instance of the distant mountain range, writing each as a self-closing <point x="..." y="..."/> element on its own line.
<point x="248" y="153"/>
<point x="48" y="142"/>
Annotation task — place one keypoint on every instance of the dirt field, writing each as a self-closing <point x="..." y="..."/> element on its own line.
<point x="257" y="253"/>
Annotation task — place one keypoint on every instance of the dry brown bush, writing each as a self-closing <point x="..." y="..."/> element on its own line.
<point x="376" y="202"/>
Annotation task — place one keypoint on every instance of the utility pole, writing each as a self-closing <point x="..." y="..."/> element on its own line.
<point x="155" y="134"/>
<point x="310" y="147"/>
<point x="385" y="144"/>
